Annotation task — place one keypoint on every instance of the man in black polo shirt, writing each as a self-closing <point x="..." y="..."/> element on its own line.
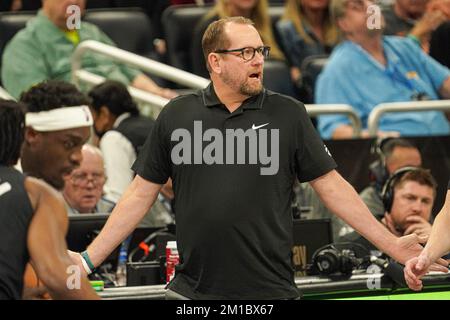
<point x="437" y="245"/>
<point x="233" y="151"/>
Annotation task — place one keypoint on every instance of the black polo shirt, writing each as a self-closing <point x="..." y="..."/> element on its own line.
<point x="234" y="218"/>
<point x="448" y="185"/>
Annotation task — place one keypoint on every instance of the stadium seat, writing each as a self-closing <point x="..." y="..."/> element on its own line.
<point x="179" y="23"/>
<point x="311" y="67"/>
<point x="129" y="28"/>
<point x="277" y="77"/>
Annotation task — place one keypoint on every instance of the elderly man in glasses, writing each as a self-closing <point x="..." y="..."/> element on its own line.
<point x="83" y="188"/>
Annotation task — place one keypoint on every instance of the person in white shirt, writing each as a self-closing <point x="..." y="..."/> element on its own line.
<point x="122" y="132"/>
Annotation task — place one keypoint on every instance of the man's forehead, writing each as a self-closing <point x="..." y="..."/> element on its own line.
<point x="411" y="186"/>
<point x="76" y="133"/>
<point x="243" y="34"/>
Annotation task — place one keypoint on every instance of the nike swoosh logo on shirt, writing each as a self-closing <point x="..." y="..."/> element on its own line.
<point x="257" y="127"/>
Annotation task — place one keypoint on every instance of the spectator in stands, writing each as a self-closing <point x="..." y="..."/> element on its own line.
<point x="416" y="19"/>
<point x="438" y="244"/>
<point x="370" y="68"/>
<point x="10" y="5"/>
<point x="32" y="220"/>
<point x="122" y="132"/>
<point x="83" y="188"/>
<point x="393" y="154"/>
<point x="256" y="10"/>
<point x="43" y="50"/>
<point x="306" y="29"/>
<point x="408" y="198"/>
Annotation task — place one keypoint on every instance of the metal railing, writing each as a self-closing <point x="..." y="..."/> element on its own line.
<point x="173" y="74"/>
<point x="410" y="106"/>
<point x="152" y="67"/>
<point x="139" y="95"/>
<point x="345" y="109"/>
<point x="5" y="95"/>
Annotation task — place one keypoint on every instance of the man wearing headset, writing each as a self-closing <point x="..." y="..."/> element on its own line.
<point x="438" y="244"/>
<point x="408" y="197"/>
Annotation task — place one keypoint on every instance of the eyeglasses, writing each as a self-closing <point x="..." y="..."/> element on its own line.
<point x="83" y="179"/>
<point x="248" y="53"/>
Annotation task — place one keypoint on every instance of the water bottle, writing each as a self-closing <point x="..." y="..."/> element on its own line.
<point x="121" y="273"/>
<point x="172" y="259"/>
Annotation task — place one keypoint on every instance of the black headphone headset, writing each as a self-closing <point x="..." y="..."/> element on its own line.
<point x="387" y="193"/>
<point x="340" y="257"/>
<point x="378" y="170"/>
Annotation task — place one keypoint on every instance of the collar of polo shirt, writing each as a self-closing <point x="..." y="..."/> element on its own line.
<point x="210" y="99"/>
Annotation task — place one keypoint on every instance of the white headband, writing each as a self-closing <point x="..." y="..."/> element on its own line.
<point x="59" y="119"/>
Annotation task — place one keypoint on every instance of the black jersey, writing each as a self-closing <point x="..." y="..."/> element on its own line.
<point x="232" y="176"/>
<point x="15" y="217"/>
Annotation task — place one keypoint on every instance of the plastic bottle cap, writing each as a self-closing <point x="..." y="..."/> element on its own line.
<point x="171" y="244"/>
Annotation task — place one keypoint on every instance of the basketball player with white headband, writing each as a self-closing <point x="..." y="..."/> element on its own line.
<point x="58" y="123"/>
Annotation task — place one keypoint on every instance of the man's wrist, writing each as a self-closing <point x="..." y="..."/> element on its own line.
<point x="87" y="262"/>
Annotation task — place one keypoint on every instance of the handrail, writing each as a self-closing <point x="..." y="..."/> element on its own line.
<point x="139" y="95"/>
<point x="5" y="95"/>
<point x="345" y="109"/>
<point x="153" y="67"/>
<point x="409" y="106"/>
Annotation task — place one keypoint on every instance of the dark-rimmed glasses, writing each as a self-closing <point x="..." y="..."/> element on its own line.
<point x="248" y="53"/>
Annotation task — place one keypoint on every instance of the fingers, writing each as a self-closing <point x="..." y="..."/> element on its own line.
<point x="438" y="267"/>
<point x="442" y="262"/>
<point x="412" y="279"/>
<point x="415" y="218"/>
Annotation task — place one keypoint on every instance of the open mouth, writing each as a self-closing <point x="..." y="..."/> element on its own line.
<point x="255" y="75"/>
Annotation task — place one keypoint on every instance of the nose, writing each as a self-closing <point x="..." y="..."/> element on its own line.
<point x="258" y="59"/>
<point x="418" y="206"/>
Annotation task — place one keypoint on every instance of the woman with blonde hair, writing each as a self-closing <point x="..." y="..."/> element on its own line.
<point x="256" y="10"/>
<point x="306" y="29"/>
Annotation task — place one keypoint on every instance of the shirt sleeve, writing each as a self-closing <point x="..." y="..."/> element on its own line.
<point x="287" y="42"/>
<point x="448" y="187"/>
<point x="23" y="65"/>
<point x="119" y="156"/>
<point x="313" y="159"/>
<point x="153" y="162"/>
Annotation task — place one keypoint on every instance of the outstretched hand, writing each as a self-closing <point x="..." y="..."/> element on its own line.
<point x="408" y="247"/>
<point x="414" y="270"/>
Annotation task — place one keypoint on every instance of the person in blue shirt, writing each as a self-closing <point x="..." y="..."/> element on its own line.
<point x="368" y="69"/>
